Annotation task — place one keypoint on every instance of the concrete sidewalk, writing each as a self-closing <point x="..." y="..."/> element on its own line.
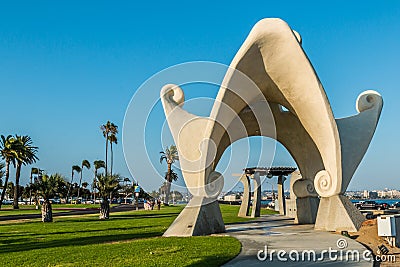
<point x="272" y="233"/>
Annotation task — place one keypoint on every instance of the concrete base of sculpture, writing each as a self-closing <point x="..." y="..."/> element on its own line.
<point x="202" y="216"/>
<point x="244" y="210"/>
<point x="309" y="204"/>
<point x="337" y="213"/>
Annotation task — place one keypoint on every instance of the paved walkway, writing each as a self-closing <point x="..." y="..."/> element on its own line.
<point x="272" y="233"/>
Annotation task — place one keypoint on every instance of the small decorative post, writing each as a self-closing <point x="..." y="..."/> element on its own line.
<point x="281" y="195"/>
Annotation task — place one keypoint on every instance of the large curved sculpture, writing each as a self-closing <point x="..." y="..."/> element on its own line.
<point x="271" y="89"/>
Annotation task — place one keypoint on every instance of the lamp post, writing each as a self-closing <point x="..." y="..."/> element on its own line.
<point x="273" y="192"/>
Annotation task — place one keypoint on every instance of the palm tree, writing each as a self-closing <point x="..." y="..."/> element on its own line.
<point x="98" y="164"/>
<point x="85" y="164"/>
<point x="2" y="165"/>
<point x="77" y="169"/>
<point x="107" y="186"/>
<point x="8" y="154"/>
<point x="47" y="187"/>
<point x="113" y="139"/>
<point x="26" y="154"/>
<point x="108" y="129"/>
<point x="170" y="155"/>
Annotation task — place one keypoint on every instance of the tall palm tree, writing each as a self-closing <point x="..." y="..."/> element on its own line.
<point x="113" y="139"/>
<point x="98" y="164"/>
<point x="77" y="169"/>
<point x="107" y="186"/>
<point x="26" y="154"/>
<point x="108" y="129"/>
<point x="2" y="166"/>
<point x="47" y="187"/>
<point x="170" y="155"/>
<point x="8" y="154"/>
<point x="85" y="164"/>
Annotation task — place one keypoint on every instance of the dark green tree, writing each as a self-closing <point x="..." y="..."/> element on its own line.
<point x="108" y="185"/>
<point x="8" y="151"/>
<point x="170" y="155"/>
<point x="25" y="154"/>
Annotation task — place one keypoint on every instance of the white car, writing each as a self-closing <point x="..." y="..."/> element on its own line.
<point x="7" y="202"/>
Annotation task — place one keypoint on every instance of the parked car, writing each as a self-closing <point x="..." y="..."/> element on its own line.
<point x="116" y="201"/>
<point x="371" y="205"/>
<point x="8" y="202"/>
<point x="128" y="200"/>
<point x="395" y="205"/>
<point x="55" y="201"/>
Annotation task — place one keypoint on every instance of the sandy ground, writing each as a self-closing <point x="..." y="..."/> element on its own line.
<point x="368" y="236"/>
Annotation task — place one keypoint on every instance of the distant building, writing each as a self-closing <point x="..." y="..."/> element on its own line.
<point x="373" y="194"/>
<point x="389" y="193"/>
<point x="232" y="197"/>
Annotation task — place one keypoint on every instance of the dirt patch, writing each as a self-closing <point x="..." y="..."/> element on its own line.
<point x="368" y="236"/>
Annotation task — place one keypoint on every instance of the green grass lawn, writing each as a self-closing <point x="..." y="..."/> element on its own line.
<point x="130" y="238"/>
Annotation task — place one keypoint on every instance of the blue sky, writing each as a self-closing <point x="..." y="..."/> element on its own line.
<point x="66" y="67"/>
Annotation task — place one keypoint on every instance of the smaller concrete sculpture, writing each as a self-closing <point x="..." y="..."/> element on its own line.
<point x="255" y="173"/>
<point x="245" y="205"/>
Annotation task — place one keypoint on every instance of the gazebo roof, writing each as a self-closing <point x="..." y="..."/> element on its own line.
<point x="274" y="171"/>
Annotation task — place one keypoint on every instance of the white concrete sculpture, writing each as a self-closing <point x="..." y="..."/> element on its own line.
<point x="269" y="72"/>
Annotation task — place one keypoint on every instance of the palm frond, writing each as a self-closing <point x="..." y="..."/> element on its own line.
<point x="107" y="184"/>
<point x="86" y="164"/>
<point x="25" y="151"/>
<point x="170" y="154"/>
<point x="76" y="168"/>
<point x="173" y="176"/>
<point x="99" y="164"/>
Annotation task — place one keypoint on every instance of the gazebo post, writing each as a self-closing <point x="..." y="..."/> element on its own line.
<point x="281" y="195"/>
<point x="255" y="211"/>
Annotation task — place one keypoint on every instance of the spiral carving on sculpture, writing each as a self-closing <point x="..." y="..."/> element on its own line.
<point x="174" y="92"/>
<point x="304" y="188"/>
<point x="367" y="100"/>
<point x="324" y="184"/>
<point x="310" y="188"/>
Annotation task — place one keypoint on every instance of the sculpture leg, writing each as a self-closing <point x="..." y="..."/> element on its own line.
<point x="245" y="206"/>
<point x="201" y="216"/>
<point x="307" y="200"/>
<point x="337" y="213"/>
<point x="307" y="208"/>
<point x="255" y="211"/>
<point x="281" y="195"/>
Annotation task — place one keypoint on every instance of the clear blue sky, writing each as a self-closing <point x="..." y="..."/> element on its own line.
<point x="66" y="67"/>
